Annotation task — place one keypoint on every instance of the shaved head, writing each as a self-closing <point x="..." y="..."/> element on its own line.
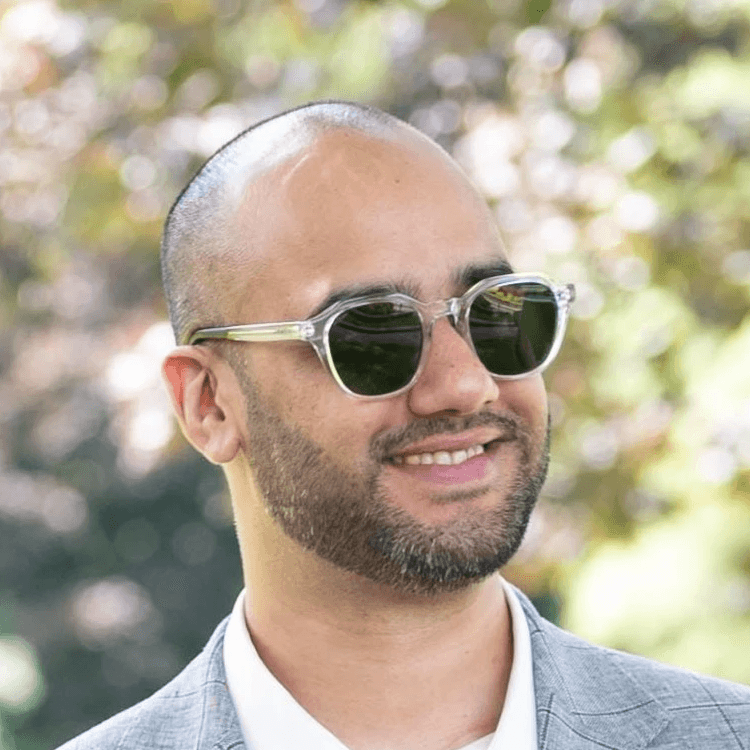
<point x="199" y="254"/>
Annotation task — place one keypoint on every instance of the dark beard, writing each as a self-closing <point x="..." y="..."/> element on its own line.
<point x="348" y="520"/>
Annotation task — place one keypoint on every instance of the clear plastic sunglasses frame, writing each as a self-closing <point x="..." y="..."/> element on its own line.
<point x="315" y="330"/>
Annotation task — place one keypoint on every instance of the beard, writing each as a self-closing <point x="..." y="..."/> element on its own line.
<point x="347" y="519"/>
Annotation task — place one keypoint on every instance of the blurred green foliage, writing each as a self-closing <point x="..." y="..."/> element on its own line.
<point x="611" y="137"/>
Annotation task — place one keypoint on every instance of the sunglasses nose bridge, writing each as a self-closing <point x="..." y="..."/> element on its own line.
<point x="431" y="312"/>
<point x="446" y="308"/>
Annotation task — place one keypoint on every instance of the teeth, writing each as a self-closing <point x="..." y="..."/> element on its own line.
<point x="441" y="458"/>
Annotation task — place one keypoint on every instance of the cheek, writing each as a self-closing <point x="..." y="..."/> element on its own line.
<point x="528" y="398"/>
<point x="304" y="394"/>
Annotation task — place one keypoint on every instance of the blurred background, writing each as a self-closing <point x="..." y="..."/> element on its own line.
<point x="611" y="138"/>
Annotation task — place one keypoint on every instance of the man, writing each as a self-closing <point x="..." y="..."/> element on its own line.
<point x="362" y="362"/>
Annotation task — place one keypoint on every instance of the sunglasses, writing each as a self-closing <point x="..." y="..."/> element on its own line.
<point x="376" y="346"/>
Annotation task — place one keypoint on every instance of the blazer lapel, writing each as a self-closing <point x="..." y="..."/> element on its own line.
<point x="220" y="727"/>
<point x="193" y="712"/>
<point x="583" y="698"/>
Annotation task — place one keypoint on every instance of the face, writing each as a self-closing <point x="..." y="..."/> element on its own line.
<point x="425" y="491"/>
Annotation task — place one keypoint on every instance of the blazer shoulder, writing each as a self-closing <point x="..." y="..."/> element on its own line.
<point x="607" y="690"/>
<point x="169" y="717"/>
<point x="671" y="685"/>
<point x="677" y="687"/>
<point x="641" y="698"/>
<point x="698" y="705"/>
<point x="668" y="683"/>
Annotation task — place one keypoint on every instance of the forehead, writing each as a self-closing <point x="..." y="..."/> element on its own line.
<point x="353" y="211"/>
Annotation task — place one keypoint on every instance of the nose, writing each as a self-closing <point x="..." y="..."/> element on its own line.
<point x="453" y="380"/>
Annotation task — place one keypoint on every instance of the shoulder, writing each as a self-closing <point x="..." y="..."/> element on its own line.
<point x="694" y="701"/>
<point x="697" y="705"/>
<point x="168" y="718"/>
<point x="594" y="683"/>
<point x="673" y="686"/>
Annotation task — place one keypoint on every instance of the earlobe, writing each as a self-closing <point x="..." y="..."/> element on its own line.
<point x="203" y="409"/>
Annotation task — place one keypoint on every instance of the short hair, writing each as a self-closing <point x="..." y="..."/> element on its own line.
<point x="192" y="230"/>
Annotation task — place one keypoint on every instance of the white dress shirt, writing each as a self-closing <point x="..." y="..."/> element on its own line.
<point x="271" y="719"/>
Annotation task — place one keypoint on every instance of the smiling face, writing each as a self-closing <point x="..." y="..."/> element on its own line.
<point x="427" y="490"/>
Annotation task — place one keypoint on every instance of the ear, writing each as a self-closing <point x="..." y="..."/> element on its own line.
<point x="205" y="403"/>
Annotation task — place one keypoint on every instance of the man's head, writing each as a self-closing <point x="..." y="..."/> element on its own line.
<point x="322" y="203"/>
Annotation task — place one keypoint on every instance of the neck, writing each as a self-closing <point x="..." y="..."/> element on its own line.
<point x="379" y="668"/>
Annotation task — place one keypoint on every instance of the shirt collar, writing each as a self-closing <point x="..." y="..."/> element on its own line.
<point x="271" y="719"/>
<point x="517" y="725"/>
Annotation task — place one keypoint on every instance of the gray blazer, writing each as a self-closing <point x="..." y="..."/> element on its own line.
<point x="587" y="697"/>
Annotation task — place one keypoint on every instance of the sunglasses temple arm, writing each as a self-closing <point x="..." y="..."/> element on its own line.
<point x="290" y="331"/>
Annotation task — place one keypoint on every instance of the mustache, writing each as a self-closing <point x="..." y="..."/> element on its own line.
<point x="388" y="442"/>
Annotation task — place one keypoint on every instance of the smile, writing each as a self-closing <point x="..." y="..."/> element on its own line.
<point x="440" y="458"/>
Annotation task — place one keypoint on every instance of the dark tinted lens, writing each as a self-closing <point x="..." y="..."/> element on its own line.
<point x="513" y="327"/>
<point x="376" y="347"/>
